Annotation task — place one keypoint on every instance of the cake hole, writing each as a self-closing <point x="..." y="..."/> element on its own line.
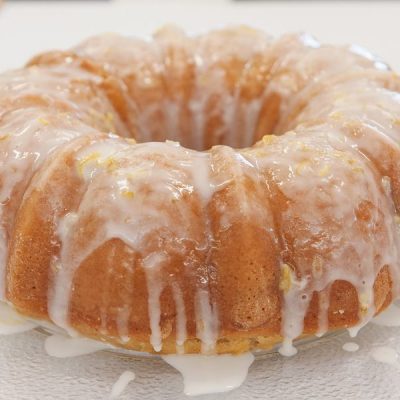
<point x="237" y="123"/>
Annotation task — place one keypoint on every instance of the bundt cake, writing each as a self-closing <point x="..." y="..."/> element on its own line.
<point x="213" y="194"/>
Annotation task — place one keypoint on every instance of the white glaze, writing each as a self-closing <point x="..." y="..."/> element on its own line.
<point x="297" y="172"/>
<point x="181" y="333"/>
<point x="287" y="349"/>
<point x="351" y="347"/>
<point x="353" y="331"/>
<point x="207" y="324"/>
<point x="204" y="374"/>
<point x="62" y="346"/>
<point x="12" y="322"/>
<point x="385" y="354"/>
<point x="122" y="382"/>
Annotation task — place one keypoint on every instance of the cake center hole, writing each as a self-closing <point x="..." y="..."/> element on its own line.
<point x="199" y="125"/>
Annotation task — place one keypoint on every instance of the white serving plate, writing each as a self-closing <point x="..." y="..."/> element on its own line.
<point x="321" y="370"/>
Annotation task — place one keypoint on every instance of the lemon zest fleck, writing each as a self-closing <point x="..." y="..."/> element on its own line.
<point x="109" y="116"/>
<point x="43" y="121"/>
<point x="304" y="147"/>
<point x="363" y="309"/>
<point x="109" y="121"/>
<point x="260" y="153"/>
<point x="131" y="140"/>
<point x="363" y="299"/>
<point x="268" y="139"/>
<point x="127" y="193"/>
<point x="336" y="115"/>
<point x="324" y="171"/>
<point x="110" y="164"/>
<point x="285" y="282"/>
<point x="338" y="154"/>
<point x="357" y="169"/>
<point x="351" y="161"/>
<point x="86" y="160"/>
<point x="301" y="166"/>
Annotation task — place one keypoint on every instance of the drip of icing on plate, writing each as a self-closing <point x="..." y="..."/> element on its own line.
<point x="351" y="347"/>
<point x="287" y="349"/>
<point x="122" y="382"/>
<point x="11" y="322"/>
<point x="61" y="346"/>
<point x="385" y="354"/>
<point x="354" y="330"/>
<point x="204" y="374"/>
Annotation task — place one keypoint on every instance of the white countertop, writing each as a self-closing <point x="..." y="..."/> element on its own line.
<point x="28" y="27"/>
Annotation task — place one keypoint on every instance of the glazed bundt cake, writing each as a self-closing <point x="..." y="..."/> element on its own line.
<point x="217" y="193"/>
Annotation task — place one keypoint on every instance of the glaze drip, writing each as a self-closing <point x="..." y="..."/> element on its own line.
<point x="211" y="374"/>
